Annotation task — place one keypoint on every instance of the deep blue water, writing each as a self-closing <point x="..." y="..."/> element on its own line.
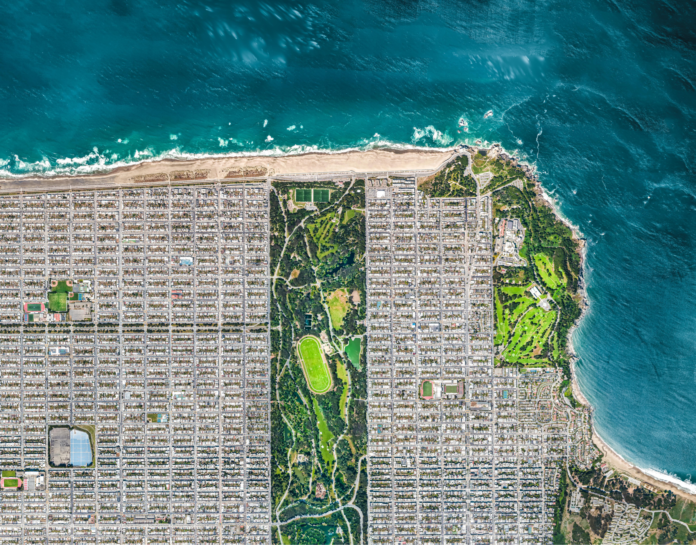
<point x="600" y="95"/>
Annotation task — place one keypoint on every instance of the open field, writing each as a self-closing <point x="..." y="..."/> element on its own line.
<point x="314" y="365"/>
<point x="58" y="302"/>
<point x="338" y="307"/>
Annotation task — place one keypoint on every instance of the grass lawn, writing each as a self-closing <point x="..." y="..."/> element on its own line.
<point x="547" y="272"/>
<point x="321" y="195"/>
<point x="530" y="335"/>
<point x="515" y="290"/>
<point x="11" y="483"/>
<point x="58" y="302"/>
<point x="9" y="473"/>
<point x="322" y="232"/>
<point x="427" y="388"/>
<point x="315" y="368"/>
<point x="349" y="215"/>
<point x="338" y="307"/>
<point x="326" y="437"/>
<point x="62" y="287"/>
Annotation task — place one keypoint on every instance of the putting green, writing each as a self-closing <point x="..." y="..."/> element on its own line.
<point x="314" y="365"/>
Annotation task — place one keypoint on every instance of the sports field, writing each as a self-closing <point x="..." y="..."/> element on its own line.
<point x="58" y="302"/>
<point x="314" y="366"/>
<point x="303" y="195"/>
<point x="312" y="195"/>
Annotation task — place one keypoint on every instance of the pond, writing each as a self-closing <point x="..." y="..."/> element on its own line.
<point x="353" y="351"/>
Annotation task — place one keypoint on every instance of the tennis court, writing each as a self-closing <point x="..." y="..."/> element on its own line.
<point x="80" y="449"/>
<point x="303" y="195"/>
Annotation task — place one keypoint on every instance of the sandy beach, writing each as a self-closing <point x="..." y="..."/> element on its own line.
<point x="248" y="167"/>
<point x="621" y="465"/>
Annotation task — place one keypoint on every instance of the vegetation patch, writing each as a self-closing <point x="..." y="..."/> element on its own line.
<point x="316" y="252"/>
<point x="451" y="181"/>
<point x="502" y="172"/>
<point x="327" y="438"/>
<point x="343" y="377"/>
<point x="528" y="334"/>
<point x="547" y="271"/>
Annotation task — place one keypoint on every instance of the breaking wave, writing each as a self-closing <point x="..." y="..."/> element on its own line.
<point x="97" y="162"/>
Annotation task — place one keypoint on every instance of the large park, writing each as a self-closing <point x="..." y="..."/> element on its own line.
<point x="318" y="362"/>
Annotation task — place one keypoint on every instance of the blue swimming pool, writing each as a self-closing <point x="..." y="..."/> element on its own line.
<point x="80" y="449"/>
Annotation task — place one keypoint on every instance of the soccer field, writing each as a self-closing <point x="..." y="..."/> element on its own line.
<point x="315" y="368"/>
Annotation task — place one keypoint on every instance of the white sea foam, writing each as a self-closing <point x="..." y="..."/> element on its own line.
<point x="265" y="123"/>
<point x="223" y="143"/>
<point x="173" y="137"/>
<point x="292" y="128"/>
<point x="431" y="132"/>
<point x="102" y="164"/>
<point x="686" y="486"/>
<point x="269" y="138"/>
<point x="147" y="152"/>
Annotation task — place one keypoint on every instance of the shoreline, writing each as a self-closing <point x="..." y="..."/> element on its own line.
<point x="610" y="456"/>
<point x="330" y="163"/>
<point x="346" y="164"/>
<point x="102" y="169"/>
<point x="615" y="460"/>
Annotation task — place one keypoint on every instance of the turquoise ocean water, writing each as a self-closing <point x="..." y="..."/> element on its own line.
<point x="600" y="95"/>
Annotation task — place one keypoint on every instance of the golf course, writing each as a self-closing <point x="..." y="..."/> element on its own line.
<point x="313" y="364"/>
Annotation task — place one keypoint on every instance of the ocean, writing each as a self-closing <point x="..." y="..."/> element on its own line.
<point x="599" y="95"/>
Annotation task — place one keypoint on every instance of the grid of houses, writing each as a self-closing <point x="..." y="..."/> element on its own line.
<point x="445" y="467"/>
<point x="168" y="370"/>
